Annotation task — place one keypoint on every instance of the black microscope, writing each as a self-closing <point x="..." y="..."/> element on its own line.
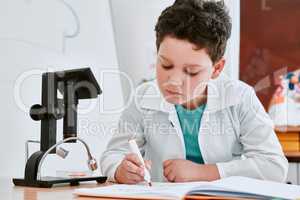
<point x="73" y="85"/>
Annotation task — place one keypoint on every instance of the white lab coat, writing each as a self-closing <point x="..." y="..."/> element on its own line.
<point x="235" y="133"/>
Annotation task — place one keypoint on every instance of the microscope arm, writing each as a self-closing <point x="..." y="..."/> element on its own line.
<point x="92" y="163"/>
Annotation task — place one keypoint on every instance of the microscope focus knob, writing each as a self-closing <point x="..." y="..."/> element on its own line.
<point x="37" y="112"/>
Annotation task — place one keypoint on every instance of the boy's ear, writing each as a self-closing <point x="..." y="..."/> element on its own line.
<point x="218" y="68"/>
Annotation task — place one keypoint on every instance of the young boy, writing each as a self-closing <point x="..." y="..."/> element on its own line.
<point x="192" y="123"/>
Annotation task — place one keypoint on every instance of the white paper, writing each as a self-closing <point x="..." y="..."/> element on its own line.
<point x="230" y="187"/>
<point x="254" y="186"/>
<point x="158" y="190"/>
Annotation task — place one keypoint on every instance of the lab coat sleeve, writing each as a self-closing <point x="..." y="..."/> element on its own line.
<point x="129" y="126"/>
<point x="262" y="155"/>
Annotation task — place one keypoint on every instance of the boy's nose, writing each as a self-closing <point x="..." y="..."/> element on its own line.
<point x="175" y="83"/>
<point x="175" y="79"/>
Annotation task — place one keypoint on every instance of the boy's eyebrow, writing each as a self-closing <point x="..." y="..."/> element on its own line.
<point x="166" y="59"/>
<point x="193" y="65"/>
<point x="185" y="65"/>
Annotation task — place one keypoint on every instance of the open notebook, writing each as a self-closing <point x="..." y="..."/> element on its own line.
<point x="228" y="187"/>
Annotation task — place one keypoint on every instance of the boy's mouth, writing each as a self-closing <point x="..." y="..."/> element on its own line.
<point x="173" y="92"/>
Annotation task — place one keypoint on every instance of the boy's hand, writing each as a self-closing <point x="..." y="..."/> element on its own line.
<point x="131" y="171"/>
<point x="179" y="170"/>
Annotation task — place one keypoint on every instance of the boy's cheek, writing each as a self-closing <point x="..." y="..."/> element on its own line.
<point x="199" y="90"/>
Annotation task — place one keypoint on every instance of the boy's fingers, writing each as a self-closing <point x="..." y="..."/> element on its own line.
<point x="166" y="163"/>
<point x="167" y="171"/>
<point x="133" y="158"/>
<point x="170" y="176"/>
<point x="132" y="168"/>
<point x="134" y="178"/>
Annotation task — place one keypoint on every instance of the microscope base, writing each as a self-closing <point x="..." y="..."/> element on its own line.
<point x="48" y="182"/>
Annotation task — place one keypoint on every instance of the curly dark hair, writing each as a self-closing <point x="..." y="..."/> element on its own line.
<point x="205" y="23"/>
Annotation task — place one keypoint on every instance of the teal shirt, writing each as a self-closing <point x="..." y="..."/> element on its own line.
<point x="190" y="123"/>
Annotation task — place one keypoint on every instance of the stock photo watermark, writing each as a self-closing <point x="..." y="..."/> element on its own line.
<point x="137" y="94"/>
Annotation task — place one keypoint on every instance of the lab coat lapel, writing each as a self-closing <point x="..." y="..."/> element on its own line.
<point x="174" y="120"/>
<point x="152" y="99"/>
<point x="216" y="100"/>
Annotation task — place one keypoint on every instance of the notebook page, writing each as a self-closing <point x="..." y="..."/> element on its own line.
<point x="157" y="191"/>
<point x="247" y="186"/>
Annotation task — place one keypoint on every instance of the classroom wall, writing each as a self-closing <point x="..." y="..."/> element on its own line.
<point x="41" y="35"/>
<point x="110" y="36"/>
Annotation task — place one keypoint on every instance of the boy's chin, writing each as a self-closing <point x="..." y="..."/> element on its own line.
<point x="176" y="100"/>
<point x="180" y="100"/>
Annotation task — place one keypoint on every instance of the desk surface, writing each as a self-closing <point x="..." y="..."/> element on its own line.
<point x="10" y="192"/>
<point x="287" y="128"/>
<point x="292" y="156"/>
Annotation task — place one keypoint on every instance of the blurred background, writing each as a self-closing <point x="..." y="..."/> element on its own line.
<point x="116" y="39"/>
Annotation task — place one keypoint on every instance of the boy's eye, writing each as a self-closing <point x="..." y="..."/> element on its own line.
<point x="191" y="73"/>
<point x="167" y="67"/>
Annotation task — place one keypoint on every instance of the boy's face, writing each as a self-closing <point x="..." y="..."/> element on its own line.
<point x="183" y="71"/>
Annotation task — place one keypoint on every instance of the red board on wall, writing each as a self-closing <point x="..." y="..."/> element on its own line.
<point x="270" y="43"/>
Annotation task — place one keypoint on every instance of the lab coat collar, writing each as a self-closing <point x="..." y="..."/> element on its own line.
<point x="219" y="96"/>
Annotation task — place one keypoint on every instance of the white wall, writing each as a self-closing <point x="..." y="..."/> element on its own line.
<point x="133" y="23"/>
<point x="37" y="35"/>
<point x="232" y="53"/>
